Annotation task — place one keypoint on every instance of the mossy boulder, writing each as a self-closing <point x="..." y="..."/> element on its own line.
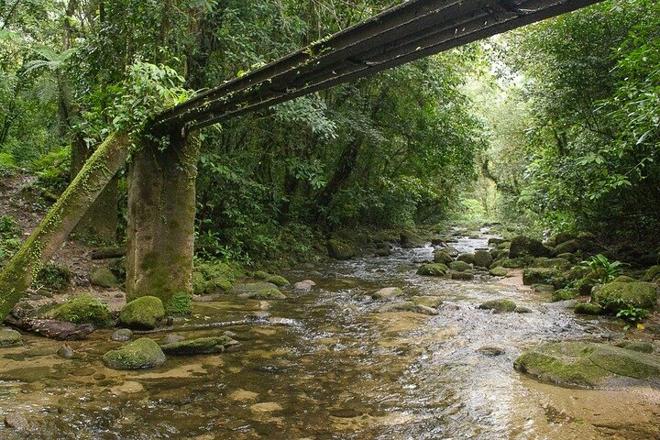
<point x="442" y="256"/>
<point x="567" y="247"/>
<point x="387" y="293"/>
<point x="340" y="250"/>
<point x="539" y="275"/>
<point x="433" y="269"/>
<point x="499" y="305"/>
<point x="641" y="346"/>
<point x="463" y="276"/>
<point x="498" y="271"/>
<point x="521" y="246"/>
<point x="561" y="237"/>
<point x="652" y="274"/>
<point x="459" y="266"/>
<point x="208" y="345"/>
<point x="103" y="277"/>
<point x="140" y="354"/>
<point x="259" y="290"/>
<point x="590" y="365"/>
<point x="83" y="309"/>
<point x="483" y="259"/>
<point x="408" y="306"/>
<point x="588" y="309"/>
<point x="557" y="263"/>
<point x="466" y="258"/>
<point x="10" y="338"/>
<point x="544" y="288"/>
<point x="623" y="279"/>
<point x="428" y="301"/>
<point x="514" y="263"/>
<point x="618" y="295"/>
<point x="144" y="312"/>
<point x="278" y="280"/>
<point x="410" y="239"/>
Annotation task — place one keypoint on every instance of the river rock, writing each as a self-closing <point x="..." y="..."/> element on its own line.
<point x="442" y="256"/>
<point x="522" y="309"/>
<point x="483" y="259"/>
<point x="543" y="288"/>
<point x="278" y="280"/>
<point x="122" y="335"/>
<point x="410" y="240"/>
<point x="616" y="295"/>
<point x="209" y="345"/>
<point x="65" y="351"/>
<point x="144" y="312"/>
<point x="83" y="309"/>
<point x="466" y="257"/>
<point x="387" y="293"/>
<point x="463" y="276"/>
<point x="304" y="286"/>
<point x="260" y="290"/>
<point x="140" y="354"/>
<point x="499" y="305"/>
<point x="539" y="275"/>
<point x="408" y="306"/>
<point x="491" y="351"/>
<point x="340" y="250"/>
<point x="172" y="338"/>
<point x="17" y="422"/>
<point x="10" y="338"/>
<point x="641" y="346"/>
<point x="459" y="266"/>
<point x="588" y="309"/>
<point x="590" y="365"/>
<point x="433" y="269"/>
<point x="498" y="271"/>
<point x="429" y="301"/>
<point x="103" y="277"/>
<point x="521" y="246"/>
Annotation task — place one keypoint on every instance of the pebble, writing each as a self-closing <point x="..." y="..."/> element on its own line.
<point x="65" y="351"/>
<point x="122" y="335"/>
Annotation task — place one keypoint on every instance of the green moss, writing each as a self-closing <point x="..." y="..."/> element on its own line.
<point x="10" y="338"/>
<point x="459" y="266"/>
<point x="498" y="271"/>
<point x="142" y="313"/>
<point x="539" y="275"/>
<point x="433" y="269"/>
<point x="442" y="256"/>
<point x="340" y="250"/>
<point x="618" y="295"/>
<point x="214" y="344"/>
<point x="261" y="290"/>
<point x="278" y="280"/>
<point x="499" y="305"/>
<point x="83" y="309"/>
<point x="213" y="277"/>
<point x="139" y="354"/>
<point x="103" y="277"/>
<point x="179" y="304"/>
<point x="652" y="273"/>
<point x="588" y="309"/>
<point x="640" y="346"/>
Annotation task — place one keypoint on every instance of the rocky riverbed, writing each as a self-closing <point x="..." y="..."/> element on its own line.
<point x="365" y="348"/>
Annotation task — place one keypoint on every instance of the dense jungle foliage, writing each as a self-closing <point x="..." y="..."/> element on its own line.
<point x="554" y="125"/>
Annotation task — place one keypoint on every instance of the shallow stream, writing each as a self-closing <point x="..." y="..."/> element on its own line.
<point x="326" y="365"/>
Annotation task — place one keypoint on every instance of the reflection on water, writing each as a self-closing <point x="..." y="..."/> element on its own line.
<point x="335" y="368"/>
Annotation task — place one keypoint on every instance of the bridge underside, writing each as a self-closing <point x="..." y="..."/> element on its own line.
<point x="401" y="34"/>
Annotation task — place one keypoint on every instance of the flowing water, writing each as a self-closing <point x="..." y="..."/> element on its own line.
<point x="328" y="365"/>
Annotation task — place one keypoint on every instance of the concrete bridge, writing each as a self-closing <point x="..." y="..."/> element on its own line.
<point x="161" y="195"/>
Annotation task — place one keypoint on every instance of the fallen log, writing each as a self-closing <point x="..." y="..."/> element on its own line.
<point x="61" y="218"/>
<point x="51" y="328"/>
<point x="105" y="253"/>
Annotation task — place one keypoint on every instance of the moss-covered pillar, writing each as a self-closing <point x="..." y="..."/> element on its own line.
<point x="100" y="222"/>
<point x="60" y="220"/>
<point x="161" y="217"/>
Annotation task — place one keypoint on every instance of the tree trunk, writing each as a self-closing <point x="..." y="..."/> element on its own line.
<point x="161" y="220"/>
<point x="60" y="220"/>
<point x="100" y="222"/>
